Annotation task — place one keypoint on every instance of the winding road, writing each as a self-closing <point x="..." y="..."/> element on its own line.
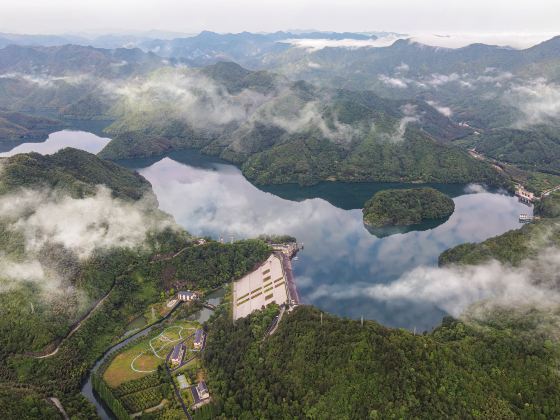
<point x="76" y="327"/>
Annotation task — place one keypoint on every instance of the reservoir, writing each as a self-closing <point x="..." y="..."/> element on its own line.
<point x="343" y="265"/>
<point x="342" y="262"/>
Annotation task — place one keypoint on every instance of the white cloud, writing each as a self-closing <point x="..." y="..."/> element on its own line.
<point x="442" y="79"/>
<point x="99" y="222"/>
<point x="402" y="68"/>
<point x="455" y="289"/>
<point x="48" y="220"/>
<point x="318" y="44"/>
<point x="184" y="94"/>
<point x="518" y="40"/>
<point x="393" y="81"/>
<point x="443" y="110"/>
<point x="538" y="101"/>
<point x="410" y="116"/>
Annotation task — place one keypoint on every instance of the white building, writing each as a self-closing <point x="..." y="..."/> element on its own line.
<point x="187" y="296"/>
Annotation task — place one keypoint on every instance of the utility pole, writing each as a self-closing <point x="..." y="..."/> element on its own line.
<point x="362" y="320"/>
<point x="321" y="318"/>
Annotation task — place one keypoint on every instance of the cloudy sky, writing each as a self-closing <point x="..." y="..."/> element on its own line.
<point x="409" y="16"/>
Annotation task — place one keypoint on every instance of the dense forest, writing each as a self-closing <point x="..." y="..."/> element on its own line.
<point x="537" y="149"/>
<point x="32" y="323"/>
<point x="406" y="207"/>
<point x="299" y="133"/>
<point x="308" y="159"/>
<point x="72" y="171"/>
<point x="337" y="368"/>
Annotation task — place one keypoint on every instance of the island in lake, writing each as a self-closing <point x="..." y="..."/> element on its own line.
<point x="404" y="207"/>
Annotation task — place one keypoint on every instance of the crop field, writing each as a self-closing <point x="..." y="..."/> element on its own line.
<point x="144" y="357"/>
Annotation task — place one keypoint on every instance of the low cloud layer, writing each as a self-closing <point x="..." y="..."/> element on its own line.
<point x="538" y="101"/>
<point x="443" y="110"/>
<point x="183" y="94"/>
<point x="44" y="80"/>
<point x="55" y="227"/>
<point x="468" y="292"/>
<point x="318" y="44"/>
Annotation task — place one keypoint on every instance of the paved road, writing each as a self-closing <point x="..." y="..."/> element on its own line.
<point x="275" y="324"/>
<point x="177" y="392"/>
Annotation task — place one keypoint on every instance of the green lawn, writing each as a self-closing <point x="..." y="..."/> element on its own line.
<point x="145" y="356"/>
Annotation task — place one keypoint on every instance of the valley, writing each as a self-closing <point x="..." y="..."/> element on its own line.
<point x="278" y="224"/>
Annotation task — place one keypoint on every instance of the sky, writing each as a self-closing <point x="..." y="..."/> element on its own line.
<point x="192" y="16"/>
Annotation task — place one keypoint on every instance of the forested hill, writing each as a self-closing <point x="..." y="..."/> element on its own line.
<point x="339" y="369"/>
<point x="407" y="207"/>
<point x="515" y="246"/>
<point x="17" y="126"/>
<point x="76" y="255"/>
<point x="281" y="132"/>
<point x="71" y="170"/>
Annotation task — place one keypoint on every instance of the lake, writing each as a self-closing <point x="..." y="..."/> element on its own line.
<point x="342" y="262"/>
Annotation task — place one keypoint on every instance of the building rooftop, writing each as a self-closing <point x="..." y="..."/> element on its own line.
<point x="177" y="351"/>
<point x="202" y="388"/>
<point x="199" y="335"/>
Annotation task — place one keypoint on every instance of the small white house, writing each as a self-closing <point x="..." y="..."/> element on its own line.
<point x="199" y="337"/>
<point x="177" y="354"/>
<point x="202" y="390"/>
<point x="187" y="296"/>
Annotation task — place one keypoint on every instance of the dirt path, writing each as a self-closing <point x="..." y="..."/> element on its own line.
<point x="76" y="327"/>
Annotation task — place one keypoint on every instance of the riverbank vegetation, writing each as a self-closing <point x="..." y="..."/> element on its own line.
<point x="398" y="207"/>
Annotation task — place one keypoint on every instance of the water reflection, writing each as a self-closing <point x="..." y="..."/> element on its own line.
<point x="59" y="140"/>
<point x="213" y="198"/>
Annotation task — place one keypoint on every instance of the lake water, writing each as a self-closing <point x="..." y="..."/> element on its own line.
<point x="59" y="140"/>
<point x="342" y="262"/>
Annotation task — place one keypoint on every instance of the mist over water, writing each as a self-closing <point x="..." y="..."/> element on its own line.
<point x="343" y="267"/>
<point x="341" y="259"/>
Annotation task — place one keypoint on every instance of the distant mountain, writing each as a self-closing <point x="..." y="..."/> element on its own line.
<point x="246" y="48"/>
<point x="40" y="40"/>
<point x="71" y="80"/>
<point x="76" y="60"/>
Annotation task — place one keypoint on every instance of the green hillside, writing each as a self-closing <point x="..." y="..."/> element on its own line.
<point x="406" y="207"/>
<point x="71" y="170"/>
<point x="293" y="132"/>
<point x="18" y="126"/>
<point x="35" y="319"/>
<point x="338" y="368"/>
<point x="516" y="245"/>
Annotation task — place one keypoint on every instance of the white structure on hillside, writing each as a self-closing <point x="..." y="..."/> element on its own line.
<point x="187" y="296"/>
<point x="265" y="285"/>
